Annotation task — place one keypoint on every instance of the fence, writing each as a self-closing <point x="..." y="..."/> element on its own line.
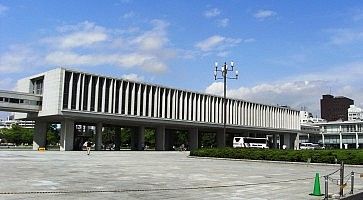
<point x="341" y="181"/>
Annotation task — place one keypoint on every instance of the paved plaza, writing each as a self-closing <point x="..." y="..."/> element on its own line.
<point x="153" y="175"/>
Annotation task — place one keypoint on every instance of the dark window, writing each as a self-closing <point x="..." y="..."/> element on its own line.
<point x="74" y="90"/>
<point x="124" y="87"/>
<point x="192" y="106"/>
<point x="93" y="93"/>
<point x="171" y="102"/>
<point x="137" y="88"/>
<point x="131" y="86"/>
<point x="117" y="97"/>
<point x="147" y="99"/>
<point x="12" y="100"/>
<point x="142" y="99"/>
<point x="161" y="102"/>
<point x="85" y="91"/>
<point x="67" y="80"/>
<point x="100" y="93"/>
<point x="166" y="102"/>
<point x="181" y="105"/>
<point x="80" y="92"/>
<point x="188" y="105"/>
<point x="107" y="94"/>
<point x="37" y="85"/>
<point x="178" y="101"/>
<point x="152" y="101"/>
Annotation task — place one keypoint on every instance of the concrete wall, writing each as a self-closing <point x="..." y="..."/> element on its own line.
<point x="52" y="92"/>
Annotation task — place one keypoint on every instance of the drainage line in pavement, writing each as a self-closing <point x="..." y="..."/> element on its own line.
<point x="152" y="190"/>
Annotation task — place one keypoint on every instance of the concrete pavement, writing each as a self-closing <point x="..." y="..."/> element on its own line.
<point x="154" y="175"/>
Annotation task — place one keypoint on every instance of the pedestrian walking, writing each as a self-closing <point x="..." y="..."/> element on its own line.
<point x="89" y="145"/>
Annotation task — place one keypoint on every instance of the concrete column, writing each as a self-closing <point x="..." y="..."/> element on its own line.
<point x="98" y="144"/>
<point x="295" y="141"/>
<point x="221" y="138"/>
<point x="170" y="139"/>
<point x="282" y="139"/>
<point x="356" y="140"/>
<point x="193" y="138"/>
<point x="340" y="137"/>
<point x="160" y="138"/>
<point x="140" y="138"/>
<point x="117" y="138"/>
<point x="274" y="138"/>
<point x="133" y="139"/>
<point x="323" y="138"/>
<point x="40" y="134"/>
<point x="287" y="141"/>
<point x="67" y="135"/>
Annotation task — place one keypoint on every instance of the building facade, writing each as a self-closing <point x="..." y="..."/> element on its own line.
<point x="70" y="97"/>
<point x="355" y="113"/>
<point x="335" y="108"/>
<point x="342" y="134"/>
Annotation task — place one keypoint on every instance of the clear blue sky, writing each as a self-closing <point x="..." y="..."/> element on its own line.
<point x="287" y="52"/>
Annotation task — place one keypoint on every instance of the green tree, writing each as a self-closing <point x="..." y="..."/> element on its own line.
<point x="150" y="137"/>
<point x="18" y="135"/>
<point x="126" y="137"/>
<point x="108" y="135"/>
<point x="53" y="135"/>
<point x="208" y="140"/>
<point x="181" y="138"/>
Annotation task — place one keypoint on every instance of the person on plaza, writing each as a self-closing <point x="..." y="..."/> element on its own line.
<point x="88" y="145"/>
<point x="182" y="147"/>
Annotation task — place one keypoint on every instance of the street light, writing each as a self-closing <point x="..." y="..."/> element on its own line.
<point x="224" y="71"/>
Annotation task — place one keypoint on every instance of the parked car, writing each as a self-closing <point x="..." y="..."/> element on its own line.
<point x="308" y="145"/>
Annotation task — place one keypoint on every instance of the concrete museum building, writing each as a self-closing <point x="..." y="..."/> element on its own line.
<point x="75" y="98"/>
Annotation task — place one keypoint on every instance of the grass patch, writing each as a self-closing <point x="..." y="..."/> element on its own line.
<point x="354" y="157"/>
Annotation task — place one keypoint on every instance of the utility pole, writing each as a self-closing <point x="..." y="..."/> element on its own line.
<point x="224" y="71"/>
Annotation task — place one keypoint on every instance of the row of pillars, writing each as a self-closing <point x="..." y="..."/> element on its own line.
<point x="137" y="139"/>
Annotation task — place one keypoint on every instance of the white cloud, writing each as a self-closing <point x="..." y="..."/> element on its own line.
<point x="215" y="88"/>
<point x="128" y="15"/>
<point x="345" y="36"/>
<point x="87" y="44"/>
<point x="154" y="39"/>
<point x="133" y="77"/>
<point x="290" y="60"/>
<point x="249" y="40"/>
<point x="212" y="12"/>
<point x="84" y="34"/>
<point x="223" y="54"/>
<point x="223" y="22"/>
<point x="304" y="90"/>
<point x="264" y="14"/>
<point x="147" y="62"/>
<point x="217" y="42"/>
<point x="6" y="83"/>
<point x="3" y="9"/>
<point x="16" y="59"/>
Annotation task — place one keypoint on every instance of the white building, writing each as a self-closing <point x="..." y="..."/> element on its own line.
<point x="72" y="97"/>
<point x="21" y="123"/>
<point x="310" y="131"/>
<point x="355" y="113"/>
<point x="339" y="134"/>
<point x="307" y="118"/>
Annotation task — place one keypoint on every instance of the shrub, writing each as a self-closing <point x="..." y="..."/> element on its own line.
<point x="317" y="156"/>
